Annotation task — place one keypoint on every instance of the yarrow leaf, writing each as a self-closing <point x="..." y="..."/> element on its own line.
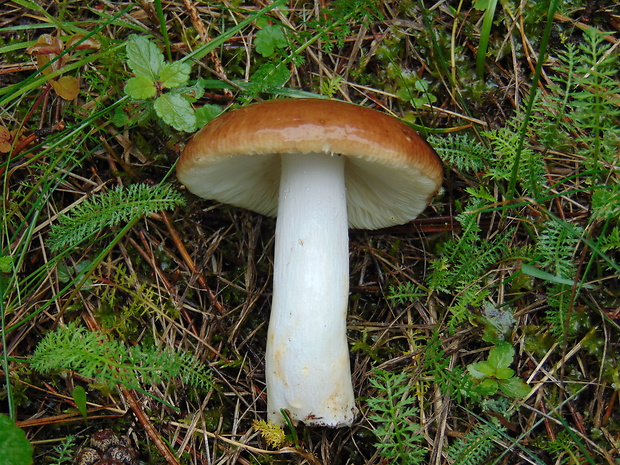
<point x="119" y="204"/>
<point x="93" y="355"/>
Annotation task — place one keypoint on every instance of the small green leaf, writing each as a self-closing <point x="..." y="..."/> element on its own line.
<point x="174" y="74"/>
<point x="482" y="192"/>
<point x="206" y="113"/>
<point x="504" y="373"/>
<point x="191" y="93"/>
<point x="488" y="387"/>
<point x="481" y="4"/>
<point x="64" y="273"/>
<point x="501" y="355"/>
<point x="144" y="58"/>
<point x="514" y="387"/>
<point x="481" y="370"/>
<point x="268" y="39"/>
<point x="6" y="264"/>
<point x="16" y="449"/>
<point x="176" y="111"/>
<point x="140" y="88"/>
<point x="120" y="118"/>
<point x="79" y="397"/>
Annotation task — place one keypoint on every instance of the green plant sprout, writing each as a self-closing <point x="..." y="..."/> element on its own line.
<point x="163" y="86"/>
<point x="65" y="451"/>
<point x="405" y="293"/>
<point x="495" y="373"/>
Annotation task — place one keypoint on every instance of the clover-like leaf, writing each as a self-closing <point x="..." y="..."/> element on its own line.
<point x="140" y="88"/>
<point x="144" y="58"/>
<point x="268" y="39"/>
<point x="174" y="110"/>
<point x="174" y="74"/>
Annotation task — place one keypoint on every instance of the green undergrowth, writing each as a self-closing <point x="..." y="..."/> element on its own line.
<point x="491" y="334"/>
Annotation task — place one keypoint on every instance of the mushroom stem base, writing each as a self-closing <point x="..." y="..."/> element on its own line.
<point x="307" y="361"/>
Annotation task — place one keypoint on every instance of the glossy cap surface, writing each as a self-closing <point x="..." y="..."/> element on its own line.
<point x="391" y="173"/>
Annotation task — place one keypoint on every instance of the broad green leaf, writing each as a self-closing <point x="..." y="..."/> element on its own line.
<point x="504" y="373"/>
<point x="514" y="387"/>
<point x="481" y="370"/>
<point x="268" y="39"/>
<point x="15" y="448"/>
<point x="79" y="397"/>
<point x="176" y="111"/>
<point x="174" y="74"/>
<point x="501" y="355"/>
<point x="144" y="58"/>
<point x="140" y="88"/>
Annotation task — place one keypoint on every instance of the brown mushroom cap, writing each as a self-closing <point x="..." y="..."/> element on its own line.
<point x="391" y="173"/>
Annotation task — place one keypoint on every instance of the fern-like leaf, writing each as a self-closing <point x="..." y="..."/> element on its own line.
<point x="610" y="241"/>
<point x="531" y="165"/>
<point x="399" y="437"/>
<point x="93" y="355"/>
<point x="404" y="293"/>
<point x="465" y="260"/>
<point x="120" y="204"/>
<point x="606" y="203"/>
<point x="461" y="151"/>
<point x="476" y="445"/>
<point x="556" y="247"/>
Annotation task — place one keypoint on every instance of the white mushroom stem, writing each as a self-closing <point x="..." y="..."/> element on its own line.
<point x="307" y="359"/>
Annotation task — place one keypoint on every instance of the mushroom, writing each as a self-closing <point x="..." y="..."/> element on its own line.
<point x="320" y="166"/>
